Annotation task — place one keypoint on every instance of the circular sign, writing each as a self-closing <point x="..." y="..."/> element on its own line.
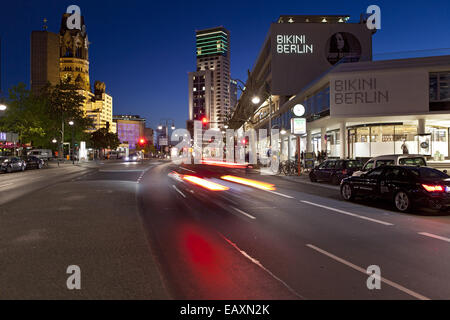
<point x="424" y="145"/>
<point x="299" y="110"/>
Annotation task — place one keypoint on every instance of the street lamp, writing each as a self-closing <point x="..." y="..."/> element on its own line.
<point x="72" y="146"/>
<point x="256" y="100"/>
<point x="54" y="141"/>
<point x="3" y="107"/>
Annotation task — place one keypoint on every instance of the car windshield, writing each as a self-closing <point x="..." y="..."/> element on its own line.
<point x="429" y="173"/>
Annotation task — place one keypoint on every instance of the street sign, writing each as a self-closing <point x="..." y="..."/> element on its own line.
<point x="163" y="142"/>
<point x="298" y="126"/>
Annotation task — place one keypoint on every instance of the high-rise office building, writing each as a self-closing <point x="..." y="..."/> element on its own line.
<point x="209" y="87"/>
<point x="44" y="59"/>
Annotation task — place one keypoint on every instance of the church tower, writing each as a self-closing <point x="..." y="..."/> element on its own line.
<point x="74" y="55"/>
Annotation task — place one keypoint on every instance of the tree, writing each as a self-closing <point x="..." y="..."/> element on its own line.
<point x="103" y="139"/>
<point x="38" y="118"/>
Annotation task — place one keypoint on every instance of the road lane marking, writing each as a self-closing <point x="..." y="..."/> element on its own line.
<point x="119" y="171"/>
<point x="348" y="213"/>
<point x="362" y="270"/>
<point x="5" y="185"/>
<point x="244" y="213"/>
<point x="188" y="170"/>
<point x="280" y="194"/>
<point x="179" y="191"/>
<point x="259" y="264"/>
<point x="316" y="184"/>
<point x="434" y="236"/>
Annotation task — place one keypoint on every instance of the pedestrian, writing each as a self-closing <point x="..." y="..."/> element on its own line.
<point x="405" y="147"/>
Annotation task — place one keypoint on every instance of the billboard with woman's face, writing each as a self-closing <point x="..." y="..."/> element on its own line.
<point x="303" y="52"/>
<point x="343" y="46"/>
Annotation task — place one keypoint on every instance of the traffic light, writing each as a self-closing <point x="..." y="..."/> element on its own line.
<point x="142" y="142"/>
<point x="205" y="121"/>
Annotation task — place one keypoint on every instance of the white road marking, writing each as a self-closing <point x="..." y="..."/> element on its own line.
<point x="362" y="270"/>
<point x="348" y="213"/>
<point x="179" y="191"/>
<point x="316" y="184"/>
<point x="188" y="170"/>
<point x="280" y="194"/>
<point x="5" y="185"/>
<point x="244" y="213"/>
<point x="119" y="171"/>
<point x="253" y="260"/>
<point x="434" y="236"/>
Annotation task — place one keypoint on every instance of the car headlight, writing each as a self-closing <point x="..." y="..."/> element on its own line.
<point x="127" y="158"/>
<point x="134" y="158"/>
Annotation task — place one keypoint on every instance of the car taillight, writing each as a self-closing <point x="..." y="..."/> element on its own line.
<point x="345" y="171"/>
<point x="430" y="188"/>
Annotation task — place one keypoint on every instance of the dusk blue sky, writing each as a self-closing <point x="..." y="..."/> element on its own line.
<point x="143" y="50"/>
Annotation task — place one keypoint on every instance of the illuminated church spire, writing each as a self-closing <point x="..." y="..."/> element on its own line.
<point x="74" y="54"/>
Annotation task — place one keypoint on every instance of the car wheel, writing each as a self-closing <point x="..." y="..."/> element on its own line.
<point x="335" y="180"/>
<point x="39" y="165"/>
<point x="313" y="177"/>
<point x="8" y="169"/>
<point x="347" y="192"/>
<point x="402" y="201"/>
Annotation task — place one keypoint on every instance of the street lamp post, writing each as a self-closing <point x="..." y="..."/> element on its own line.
<point x="72" y="146"/>
<point x="164" y="123"/>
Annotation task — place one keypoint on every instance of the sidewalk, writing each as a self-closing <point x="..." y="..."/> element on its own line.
<point x="94" y="225"/>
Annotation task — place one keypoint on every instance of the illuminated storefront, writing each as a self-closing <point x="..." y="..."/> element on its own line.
<point x="375" y="108"/>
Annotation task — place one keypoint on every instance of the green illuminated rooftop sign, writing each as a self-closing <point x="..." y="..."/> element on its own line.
<point x="212" y="43"/>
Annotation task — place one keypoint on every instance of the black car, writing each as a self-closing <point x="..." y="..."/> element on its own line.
<point x="404" y="186"/>
<point x="335" y="170"/>
<point x="10" y="164"/>
<point x="34" y="162"/>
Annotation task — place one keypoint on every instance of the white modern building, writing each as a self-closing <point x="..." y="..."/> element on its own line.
<point x="366" y="109"/>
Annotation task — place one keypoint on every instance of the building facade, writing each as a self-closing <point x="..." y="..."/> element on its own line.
<point x="358" y="108"/>
<point x="130" y="129"/>
<point x="211" y="99"/>
<point x="367" y="109"/>
<point x="45" y="53"/>
<point x="65" y="57"/>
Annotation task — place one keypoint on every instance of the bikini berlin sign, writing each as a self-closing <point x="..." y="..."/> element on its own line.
<point x="293" y="44"/>
<point x="383" y="93"/>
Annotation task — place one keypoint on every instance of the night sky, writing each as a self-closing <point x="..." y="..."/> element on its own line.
<point x="143" y="50"/>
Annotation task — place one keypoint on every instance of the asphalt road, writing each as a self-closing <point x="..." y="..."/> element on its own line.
<point x="138" y="231"/>
<point x="297" y="242"/>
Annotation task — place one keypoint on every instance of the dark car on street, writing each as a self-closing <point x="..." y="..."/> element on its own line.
<point x="33" y="162"/>
<point x="335" y="170"/>
<point x="10" y="164"/>
<point x="404" y="186"/>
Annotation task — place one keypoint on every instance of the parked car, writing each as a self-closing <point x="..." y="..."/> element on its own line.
<point x="10" y="164"/>
<point x="393" y="160"/>
<point x="404" y="186"/>
<point x="334" y="170"/>
<point x="43" y="154"/>
<point x="33" y="162"/>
